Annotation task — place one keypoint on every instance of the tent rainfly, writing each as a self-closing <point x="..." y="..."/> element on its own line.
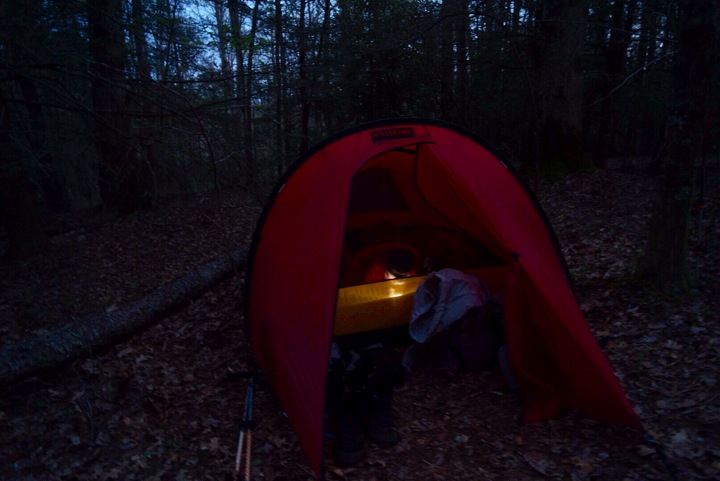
<point x="423" y="177"/>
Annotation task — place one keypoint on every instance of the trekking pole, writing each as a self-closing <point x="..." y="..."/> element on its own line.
<point x="248" y="447"/>
<point x="243" y="427"/>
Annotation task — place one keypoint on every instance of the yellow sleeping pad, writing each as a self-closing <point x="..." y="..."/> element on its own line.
<point x="378" y="305"/>
<point x="369" y="307"/>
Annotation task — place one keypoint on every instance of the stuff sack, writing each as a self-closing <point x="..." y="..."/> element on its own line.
<point x="455" y="323"/>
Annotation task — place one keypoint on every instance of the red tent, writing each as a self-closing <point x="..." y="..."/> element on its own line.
<point x="415" y="174"/>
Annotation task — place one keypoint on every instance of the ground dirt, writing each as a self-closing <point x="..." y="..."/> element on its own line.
<point x="167" y="403"/>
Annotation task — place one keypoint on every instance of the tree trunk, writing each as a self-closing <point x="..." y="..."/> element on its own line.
<point x="247" y="104"/>
<point x="236" y="36"/>
<point x="615" y="58"/>
<point x="142" y="66"/>
<point x="648" y="33"/>
<point x="517" y="5"/>
<point x="53" y="188"/>
<point x="321" y="110"/>
<point x="142" y="159"/>
<point x="122" y="178"/>
<point x="29" y="182"/>
<point x="461" y="59"/>
<point x="448" y="106"/>
<point x="225" y="64"/>
<point x="108" y="66"/>
<point x="20" y="211"/>
<point x="303" y="80"/>
<point x="279" y="76"/>
<point x="665" y="263"/>
<point x="559" y="46"/>
<point x="88" y="335"/>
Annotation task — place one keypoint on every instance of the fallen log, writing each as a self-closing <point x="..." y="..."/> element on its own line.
<point x="87" y="335"/>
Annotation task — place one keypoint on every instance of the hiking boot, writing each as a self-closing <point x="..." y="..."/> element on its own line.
<point x="350" y="438"/>
<point x="380" y="428"/>
<point x="349" y="444"/>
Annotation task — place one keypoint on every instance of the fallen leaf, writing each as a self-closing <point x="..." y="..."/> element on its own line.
<point x="537" y="461"/>
<point x="643" y="450"/>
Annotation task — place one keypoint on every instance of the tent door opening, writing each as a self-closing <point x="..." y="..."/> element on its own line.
<point x="389" y="212"/>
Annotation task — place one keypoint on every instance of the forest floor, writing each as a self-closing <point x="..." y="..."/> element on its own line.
<point x="166" y="404"/>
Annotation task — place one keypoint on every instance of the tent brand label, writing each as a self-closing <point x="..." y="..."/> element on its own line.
<point x="390" y="134"/>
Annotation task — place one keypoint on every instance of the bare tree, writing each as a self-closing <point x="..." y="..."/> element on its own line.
<point x="279" y="85"/>
<point x="107" y="47"/>
<point x="249" y="87"/>
<point x="223" y="41"/>
<point x="621" y="21"/>
<point x="303" y="78"/>
<point x="560" y="40"/>
<point x="695" y="78"/>
<point x="19" y="206"/>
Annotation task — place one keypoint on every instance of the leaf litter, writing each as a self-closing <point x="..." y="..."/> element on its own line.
<point x="167" y="404"/>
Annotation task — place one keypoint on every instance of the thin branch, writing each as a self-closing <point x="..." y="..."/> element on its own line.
<point x="629" y="77"/>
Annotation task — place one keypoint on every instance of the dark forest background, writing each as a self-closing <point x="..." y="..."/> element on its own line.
<point x="109" y="105"/>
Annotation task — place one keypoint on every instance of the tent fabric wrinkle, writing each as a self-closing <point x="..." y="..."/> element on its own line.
<point x="459" y="203"/>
